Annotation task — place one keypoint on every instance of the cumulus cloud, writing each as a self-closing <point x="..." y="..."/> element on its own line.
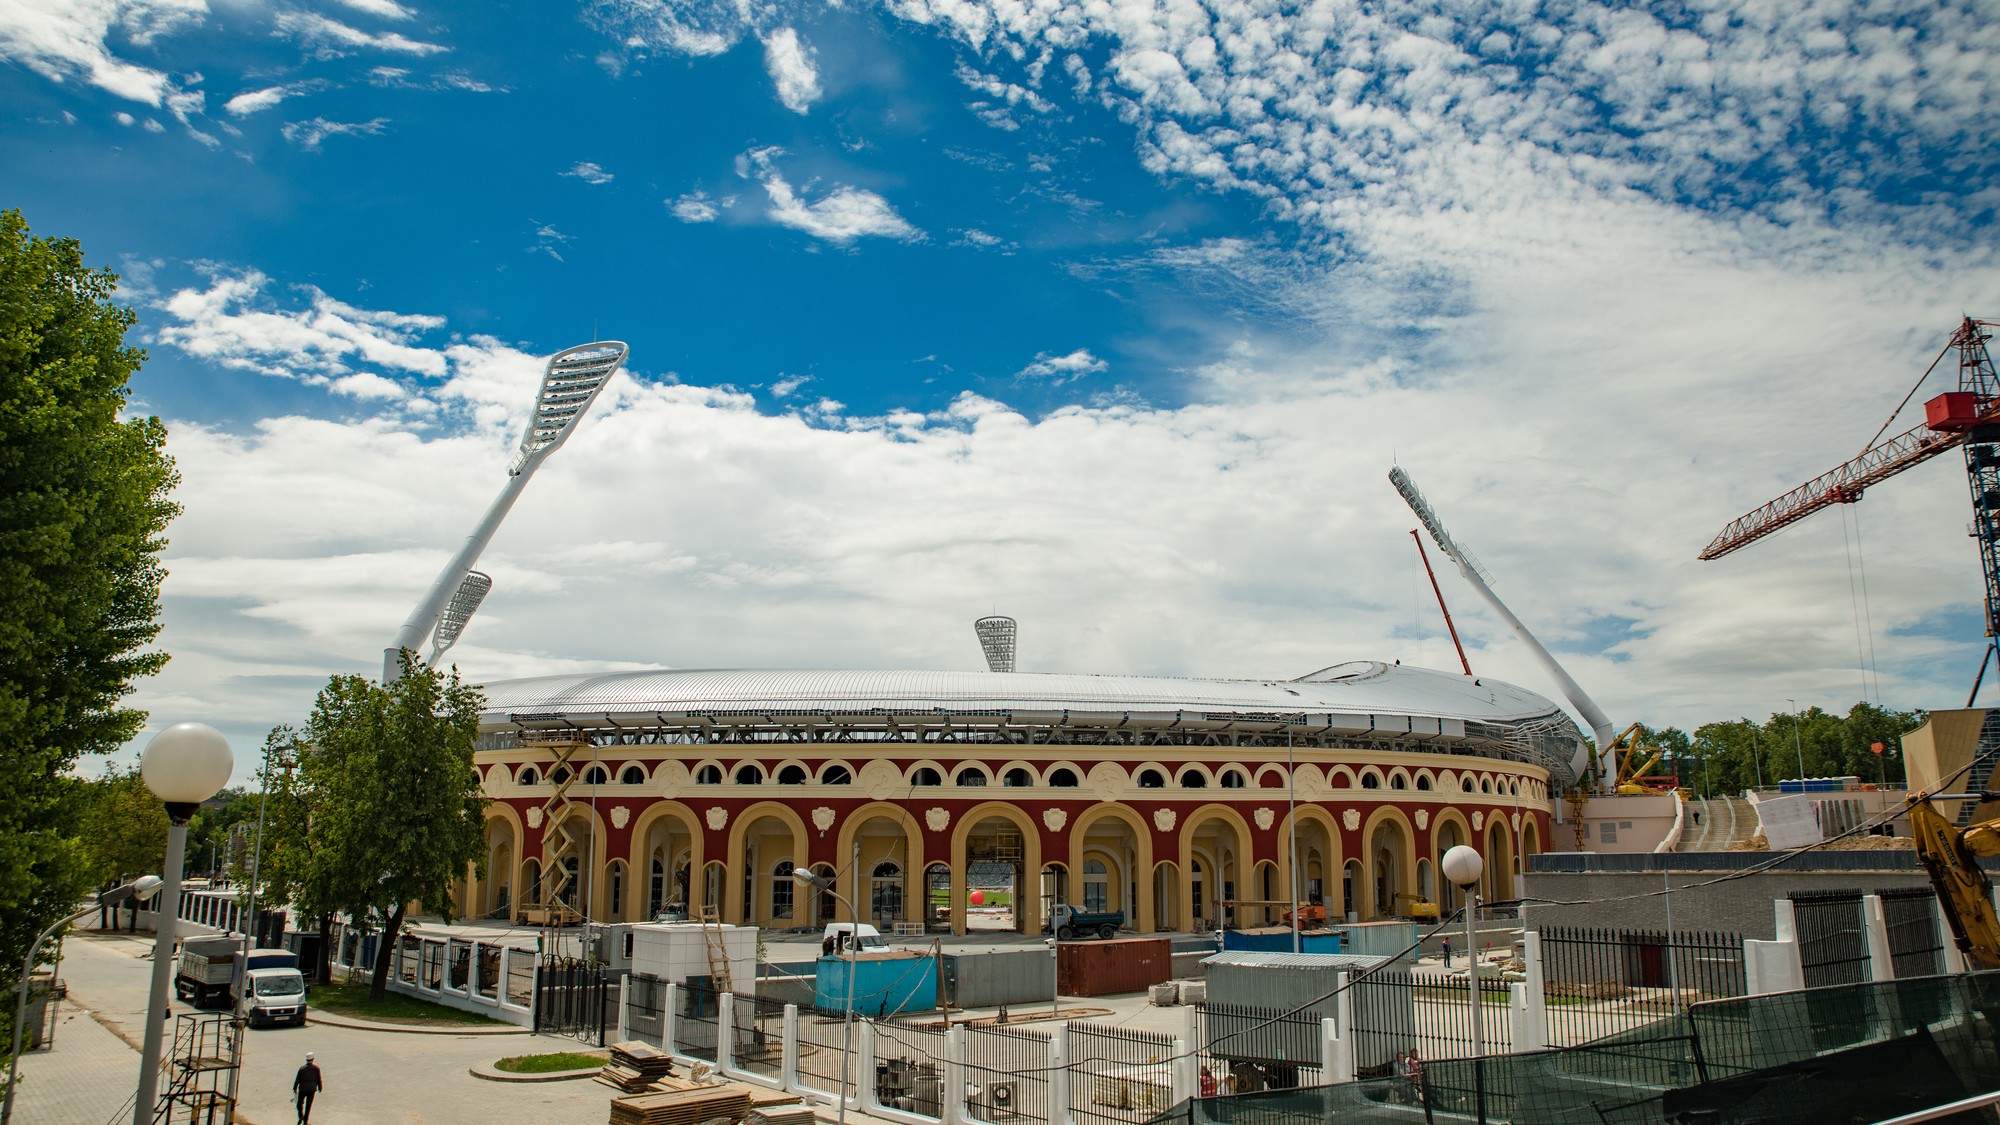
<point x="236" y="321"/>
<point x="791" y="68"/>
<point x="381" y="9"/>
<point x="257" y="101"/>
<point x="589" y="173"/>
<point x="839" y="216"/>
<point x="309" y="134"/>
<point x="693" y="208"/>
<point x="1063" y="368"/>
<point x="66" y="41"/>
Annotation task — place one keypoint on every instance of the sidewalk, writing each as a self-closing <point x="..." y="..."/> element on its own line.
<point x="87" y="1078"/>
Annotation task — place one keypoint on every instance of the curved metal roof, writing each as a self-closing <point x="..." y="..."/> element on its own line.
<point x="1363" y="700"/>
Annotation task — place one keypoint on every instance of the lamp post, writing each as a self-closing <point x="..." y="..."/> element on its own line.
<point x="822" y="883"/>
<point x="1463" y="866"/>
<point x="142" y="889"/>
<point x="257" y="853"/>
<point x="183" y="765"/>
<point x="1798" y="744"/>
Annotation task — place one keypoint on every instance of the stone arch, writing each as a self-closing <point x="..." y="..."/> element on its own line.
<point x="734" y="908"/>
<point x="1027" y="899"/>
<point x="1497" y="882"/>
<point x="1207" y="776"/>
<point x="1448" y="827"/>
<point x="483" y="897"/>
<point x="1221" y="874"/>
<point x="1139" y="769"/>
<point x="1393" y="872"/>
<point x="910" y="773"/>
<point x="828" y="767"/>
<point x="1399" y="774"/>
<point x="1317" y="826"/>
<point x="694" y="771"/>
<point x="999" y="776"/>
<point x="1142" y="914"/>
<point x="910" y="857"/>
<point x="1340" y="777"/>
<point x="1077" y="772"/>
<point x="1531" y="839"/>
<point x="1270" y="779"/>
<point x="777" y="768"/>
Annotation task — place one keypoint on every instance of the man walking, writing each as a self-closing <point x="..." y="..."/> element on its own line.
<point x="307" y="1083"/>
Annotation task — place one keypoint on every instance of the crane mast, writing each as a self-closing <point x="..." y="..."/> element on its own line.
<point x="1967" y="418"/>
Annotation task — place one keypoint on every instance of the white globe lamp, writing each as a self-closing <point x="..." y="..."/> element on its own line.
<point x="1463" y="866"/>
<point x="186" y="764"/>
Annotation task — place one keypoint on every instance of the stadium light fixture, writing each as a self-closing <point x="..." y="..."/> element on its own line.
<point x="571" y="382"/>
<point x="472" y="590"/>
<point x="996" y="640"/>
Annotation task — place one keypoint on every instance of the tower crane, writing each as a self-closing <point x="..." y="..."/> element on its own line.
<point x="1968" y="417"/>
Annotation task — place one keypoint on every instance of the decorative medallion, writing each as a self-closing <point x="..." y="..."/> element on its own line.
<point x="1516" y="820"/>
<point x="938" y="818"/>
<point x="1106" y="780"/>
<point x="718" y="817"/>
<point x="673" y="776"/>
<point x="1055" y="819"/>
<point x="1424" y="818"/>
<point x="822" y="818"/>
<point x="534" y="816"/>
<point x="1477" y="816"/>
<point x="881" y="780"/>
<point x="1352" y="819"/>
<point x="1265" y="817"/>
<point x="1163" y="819"/>
<point x="1310" y="782"/>
<point x="620" y="816"/>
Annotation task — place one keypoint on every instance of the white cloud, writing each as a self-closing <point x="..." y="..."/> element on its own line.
<point x="1063" y="368"/>
<point x="550" y="241"/>
<point x="789" y="385"/>
<point x="63" y="41"/>
<point x="791" y="68"/>
<point x="589" y="173"/>
<point x="332" y="37"/>
<point x="309" y="134"/>
<point x="257" y="101"/>
<point x="236" y="323"/>
<point x="124" y="119"/>
<point x="840" y="216"/>
<point x="381" y="9"/>
<point x="693" y="208"/>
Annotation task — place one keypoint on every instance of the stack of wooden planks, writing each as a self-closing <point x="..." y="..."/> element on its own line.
<point x="794" y="1114"/>
<point x="634" y="1067"/>
<point x="681" y="1107"/>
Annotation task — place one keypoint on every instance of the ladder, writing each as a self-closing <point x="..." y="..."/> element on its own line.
<point x="559" y="843"/>
<point x="718" y="953"/>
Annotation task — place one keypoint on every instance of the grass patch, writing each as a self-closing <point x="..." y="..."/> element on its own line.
<point x="548" y="1063"/>
<point x="352" y="1000"/>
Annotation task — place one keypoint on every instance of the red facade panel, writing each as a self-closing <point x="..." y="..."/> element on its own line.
<point x="1107" y="968"/>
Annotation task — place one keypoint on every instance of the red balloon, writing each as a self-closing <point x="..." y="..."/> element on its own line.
<point x="978" y="898"/>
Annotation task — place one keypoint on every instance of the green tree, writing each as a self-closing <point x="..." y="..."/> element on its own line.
<point x="400" y="817"/>
<point x="124" y="829"/>
<point x="83" y="511"/>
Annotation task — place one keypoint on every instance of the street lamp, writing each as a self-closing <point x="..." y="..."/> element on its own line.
<point x="1797" y="744"/>
<point x="183" y="765"/>
<point x="822" y="883"/>
<point x="142" y="888"/>
<point x="1463" y="866"/>
<point x="257" y="854"/>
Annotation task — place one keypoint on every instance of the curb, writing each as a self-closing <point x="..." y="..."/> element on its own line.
<point x="314" y="1015"/>
<point x="491" y="1074"/>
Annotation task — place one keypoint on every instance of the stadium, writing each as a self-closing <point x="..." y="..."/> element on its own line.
<point x="620" y="796"/>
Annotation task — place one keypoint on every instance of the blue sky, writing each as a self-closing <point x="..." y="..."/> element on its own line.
<point x="1110" y="316"/>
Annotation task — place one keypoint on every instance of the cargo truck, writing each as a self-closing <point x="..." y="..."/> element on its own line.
<point x="266" y="986"/>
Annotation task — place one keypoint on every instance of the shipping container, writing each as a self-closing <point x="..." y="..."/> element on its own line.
<point x="996" y="977"/>
<point x="884" y="984"/>
<point x="1380" y="939"/>
<point x="1278" y="939"/>
<point x="1107" y="968"/>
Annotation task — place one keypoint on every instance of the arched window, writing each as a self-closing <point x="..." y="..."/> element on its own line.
<point x="559" y="775"/>
<point x="1063" y="778"/>
<point x="1152" y="779"/>
<point x="1270" y="779"/>
<point x="656" y="888"/>
<point x="792" y="775"/>
<point x="1485" y="786"/>
<point x="836" y="775"/>
<point x="749" y="775"/>
<point x="1193" y="779"/>
<point x="1370" y="781"/>
<point x="885" y="898"/>
<point x="531" y="883"/>
<point x="970" y="775"/>
<point x="528" y="776"/>
<point x="924" y="775"/>
<point x="1514" y="788"/>
<point x="1096" y="887"/>
<point x="614" y="886"/>
<point x="1397" y="781"/>
<point x="1466" y="786"/>
<point x="1424" y="786"/>
<point x="781" y="890"/>
<point x="1232" y="779"/>
<point x="1018" y="778"/>
<point x="710" y="774"/>
<point x="633" y="775"/>
<point x="595" y="775"/>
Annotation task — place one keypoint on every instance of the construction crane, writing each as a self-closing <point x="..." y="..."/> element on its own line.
<point x="1968" y="417"/>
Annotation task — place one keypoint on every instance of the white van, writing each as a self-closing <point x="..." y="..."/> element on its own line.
<point x="834" y="941"/>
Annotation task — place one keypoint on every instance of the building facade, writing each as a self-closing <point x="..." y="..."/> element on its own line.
<point x="1183" y="803"/>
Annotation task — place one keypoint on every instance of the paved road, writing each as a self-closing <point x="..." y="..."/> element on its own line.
<point x="373" y="1077"/>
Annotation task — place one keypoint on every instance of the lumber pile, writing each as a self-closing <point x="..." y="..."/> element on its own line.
<point x="680" y="1107"/>
<point x="634" y="1067"/>
<point x="793" y="1114"/>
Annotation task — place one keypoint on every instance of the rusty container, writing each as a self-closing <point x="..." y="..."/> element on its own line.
<point x="1107" y="968"/>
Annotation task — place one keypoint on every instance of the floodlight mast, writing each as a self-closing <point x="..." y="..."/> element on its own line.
<point x="570" y="383"/>
<point x="1600" y="725"/>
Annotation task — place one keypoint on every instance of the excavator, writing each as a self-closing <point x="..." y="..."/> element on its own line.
<point x="1951" y="855"/>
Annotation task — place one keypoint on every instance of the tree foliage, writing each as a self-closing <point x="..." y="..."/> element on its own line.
<point x="83" y="510"/>
<point x="1736" y="754"/>
<point x="397" y="816"/>
<point x="124" y="827"/>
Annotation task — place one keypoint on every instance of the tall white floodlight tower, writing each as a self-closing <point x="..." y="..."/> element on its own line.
<point x="1600" y="726"/>
<point x="569" y="385"/>
<point x="996" y="639"/>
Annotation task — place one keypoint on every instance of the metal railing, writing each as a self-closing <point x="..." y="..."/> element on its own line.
<point x="1833" y="942"/>
<point x="1007" y="1074"/>
<point x="1118" y="1076"/>
<point x="1916" y="948"/>
<point x="1600" y="982"/>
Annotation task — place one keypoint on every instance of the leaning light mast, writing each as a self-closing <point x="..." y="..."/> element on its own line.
<point x="1600" y="726"/>
<point x="570" y="383"/>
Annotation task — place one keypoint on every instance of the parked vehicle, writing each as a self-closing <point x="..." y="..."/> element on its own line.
<point x="205" y="970"/>
<point x="213" y="972"/>
<point x="1070" y="923"/>
<point x="866" y="937"/>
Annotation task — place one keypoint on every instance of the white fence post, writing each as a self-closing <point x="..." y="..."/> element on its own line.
<point x="1774" y="966"/>
<point x="1336" y="1052"/>
<point x="1059" y="1086"/>
<point x="624" y="1006"/>
<point x="952" y="1095"/>
<point x="725" y="1032"/>
<point x="861" y="1067"/>
<point x="1181" y="1074"/>
<point x="1875" y="924"/>
<point x="1343" y="1022"/>
<point x="1531" y="998"/>
<point x="788" y="1060"/>
<point x="670" y="1000"/>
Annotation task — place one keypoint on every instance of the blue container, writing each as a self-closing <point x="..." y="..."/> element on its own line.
<point x="884" y="984"/>
<point x="1278" y="939"/>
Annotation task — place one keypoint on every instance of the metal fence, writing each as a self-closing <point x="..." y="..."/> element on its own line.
<point x="1241" y="1048"/>
<point x="1916" y="948"/>
<point x="646" y="1008"/>
<point x="1604" y="982"/>
<point x="909" y="1068"/>
<point x="574" y="998"/>
<point x="823" y="1054"/>
<point x="1397" y="1011"/>
<point x="1118" y="1076"/>
<point x="758" y="1036"/>
<point x="695" y="1023"/>
<point x="1007" y="1074"/>
<point x="1833" y="943"/>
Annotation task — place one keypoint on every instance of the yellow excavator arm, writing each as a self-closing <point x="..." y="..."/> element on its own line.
<point x="1951" y="855"/>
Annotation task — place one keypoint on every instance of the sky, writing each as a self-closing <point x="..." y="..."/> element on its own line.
<point x="1111" y="316"/>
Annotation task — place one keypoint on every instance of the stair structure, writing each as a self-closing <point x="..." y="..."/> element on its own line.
<point x="202" y="1070"/>
<point x="559" y="843"/>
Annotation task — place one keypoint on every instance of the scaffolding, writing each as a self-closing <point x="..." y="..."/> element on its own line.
<point x="202" y="1070"/>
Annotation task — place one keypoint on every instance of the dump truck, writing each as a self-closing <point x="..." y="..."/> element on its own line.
<point x="1068" y="922"/>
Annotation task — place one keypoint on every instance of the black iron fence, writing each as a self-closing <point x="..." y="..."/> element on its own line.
<point x="1600" y="982"/>
<point x="574" y="998"/>
<point x="696" y="1023"/>
<point x="823" y="1052"/>
<point x="1118" y="1076"/>
<point x="1242" y="1049"/>
<point x="1916" y="948"/>
<point x="757" y="1039"/>
<point x="1399" y="1011"/>
<point x="1007" y="1074"/>
<point x="646" y="1009"/>
<point x="1833" y="942"/>
<point x="909" y="1067"/>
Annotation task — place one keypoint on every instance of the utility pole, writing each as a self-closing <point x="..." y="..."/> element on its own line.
<point x="1797" y="743"/>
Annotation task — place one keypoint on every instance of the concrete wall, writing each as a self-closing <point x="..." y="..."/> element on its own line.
<point x="1740" y="905"/>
